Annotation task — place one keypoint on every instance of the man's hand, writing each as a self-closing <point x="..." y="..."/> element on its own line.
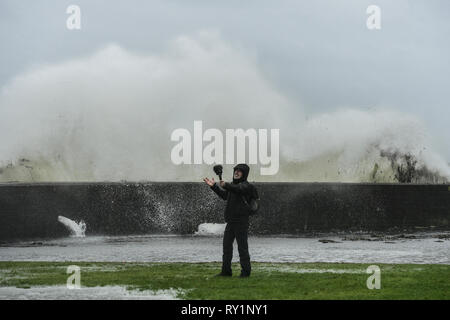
<point x="209" y="182"/>
<point x="222" y="183"/>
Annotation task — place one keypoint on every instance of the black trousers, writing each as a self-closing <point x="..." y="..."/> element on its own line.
<point x="239" y="232"/>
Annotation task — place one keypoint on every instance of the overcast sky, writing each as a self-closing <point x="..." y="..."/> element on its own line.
<point x="319" y="54"/>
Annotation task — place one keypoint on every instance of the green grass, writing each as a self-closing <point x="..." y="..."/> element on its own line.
<point x="268" y="280"/>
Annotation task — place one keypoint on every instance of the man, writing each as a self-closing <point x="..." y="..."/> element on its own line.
<point x="237" y="195"/>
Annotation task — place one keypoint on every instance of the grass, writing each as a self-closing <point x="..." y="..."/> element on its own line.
<point x="268" y="280"/>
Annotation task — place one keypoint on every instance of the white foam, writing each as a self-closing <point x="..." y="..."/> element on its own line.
<point x="292" y="269"/>
<point x="211" y="229"/>
<point x="85" y="293"/>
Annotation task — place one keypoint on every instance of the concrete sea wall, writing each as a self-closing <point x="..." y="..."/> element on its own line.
<point x="30" y="210"/>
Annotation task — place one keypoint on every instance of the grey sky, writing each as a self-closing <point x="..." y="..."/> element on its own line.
<point x="319" y="53"/>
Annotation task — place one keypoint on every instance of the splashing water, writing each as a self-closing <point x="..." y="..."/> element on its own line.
<point x="76" y="229"/>
<point x="211" y="229"/>
<point x="109" y="117"/>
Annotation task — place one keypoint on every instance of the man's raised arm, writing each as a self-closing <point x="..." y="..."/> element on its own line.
<point x="215" y="187"/>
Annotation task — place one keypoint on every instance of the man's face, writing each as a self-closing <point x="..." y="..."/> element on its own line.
<point x="237" y="174"/>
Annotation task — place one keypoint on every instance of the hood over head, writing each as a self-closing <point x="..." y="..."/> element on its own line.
<point x="245" y="171"/>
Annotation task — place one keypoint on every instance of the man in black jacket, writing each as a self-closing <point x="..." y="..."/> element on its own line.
<point x="236" y="216"/>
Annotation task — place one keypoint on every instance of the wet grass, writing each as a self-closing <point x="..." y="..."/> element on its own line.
<point x="268" y="280"/>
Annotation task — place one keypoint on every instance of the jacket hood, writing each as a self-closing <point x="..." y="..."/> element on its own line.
<point x="245" y="170"/>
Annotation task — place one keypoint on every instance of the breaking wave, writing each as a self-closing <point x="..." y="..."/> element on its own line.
<point x="109" y="116"/>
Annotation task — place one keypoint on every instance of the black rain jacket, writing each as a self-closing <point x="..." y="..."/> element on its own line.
<point x="236" y="210"/>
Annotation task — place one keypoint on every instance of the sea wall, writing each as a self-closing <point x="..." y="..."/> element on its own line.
<point x="30" y="210"/>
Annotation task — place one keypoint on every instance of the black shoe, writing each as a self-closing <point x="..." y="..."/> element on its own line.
<point x="223" y="275"/>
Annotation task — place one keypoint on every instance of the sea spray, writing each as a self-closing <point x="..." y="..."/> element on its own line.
<point x="76" y="229"/>
<point x="109" y="117"/>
